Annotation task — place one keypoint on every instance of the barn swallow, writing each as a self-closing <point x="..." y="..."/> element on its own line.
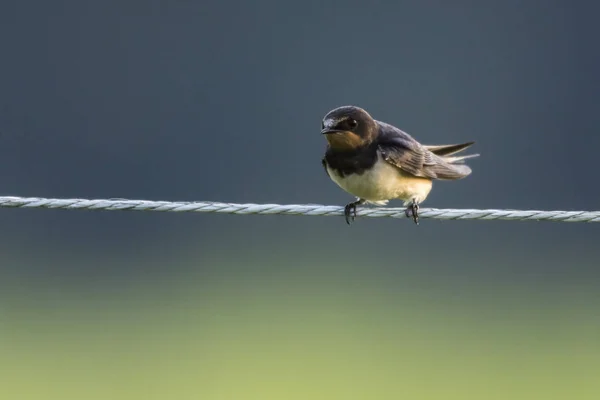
<point x="377" y="162"/>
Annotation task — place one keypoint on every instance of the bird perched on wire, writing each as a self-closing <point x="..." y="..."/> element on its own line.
<point x="377" y="162"/>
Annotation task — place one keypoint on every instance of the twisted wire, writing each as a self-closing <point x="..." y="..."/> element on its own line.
<point x="293" y="209"/>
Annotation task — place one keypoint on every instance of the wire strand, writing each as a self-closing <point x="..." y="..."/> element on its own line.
<point x="293" y="209"/>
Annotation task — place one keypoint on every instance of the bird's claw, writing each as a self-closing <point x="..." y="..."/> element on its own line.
<point x="350" y="212"/>
<point x="413" y="211"/>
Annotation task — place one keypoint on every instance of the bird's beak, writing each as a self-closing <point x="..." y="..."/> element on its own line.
<point x="330" y="130"/>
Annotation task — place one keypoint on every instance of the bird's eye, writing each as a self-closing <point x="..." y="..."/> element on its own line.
<point x="322" y="124"/>
<point x="352" y="123"/>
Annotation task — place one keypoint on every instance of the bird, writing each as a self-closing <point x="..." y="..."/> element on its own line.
<point x="377" y="162"/>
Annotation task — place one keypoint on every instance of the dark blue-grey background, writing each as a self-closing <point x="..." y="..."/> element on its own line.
<point x="222" y="101"/>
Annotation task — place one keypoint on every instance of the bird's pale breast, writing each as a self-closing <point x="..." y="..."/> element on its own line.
<point x="383" y="182"/>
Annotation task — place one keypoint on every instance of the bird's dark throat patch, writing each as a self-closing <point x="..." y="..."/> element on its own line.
<point x="351" y="162"/>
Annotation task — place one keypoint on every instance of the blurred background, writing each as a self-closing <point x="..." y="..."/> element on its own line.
<point x="222" y="101"/>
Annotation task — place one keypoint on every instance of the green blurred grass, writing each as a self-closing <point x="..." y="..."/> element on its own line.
<point x="284" y="337"/>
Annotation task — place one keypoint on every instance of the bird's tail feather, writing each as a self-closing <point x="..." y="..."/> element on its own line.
<point x="449" y="167"/>
<point x="447" y="149"/>
<point x="459" y="159"/>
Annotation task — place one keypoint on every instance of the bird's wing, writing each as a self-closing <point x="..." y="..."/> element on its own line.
<point x="403" y="151"/>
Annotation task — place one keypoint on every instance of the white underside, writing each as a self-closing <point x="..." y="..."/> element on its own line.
<point x="383" y="182"/>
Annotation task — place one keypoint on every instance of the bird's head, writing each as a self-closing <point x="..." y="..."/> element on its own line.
<point x="348" y="128"/>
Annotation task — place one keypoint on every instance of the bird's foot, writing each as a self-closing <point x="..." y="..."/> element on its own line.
<point x="350" y="210"/>
<point x="413" y="211"/>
